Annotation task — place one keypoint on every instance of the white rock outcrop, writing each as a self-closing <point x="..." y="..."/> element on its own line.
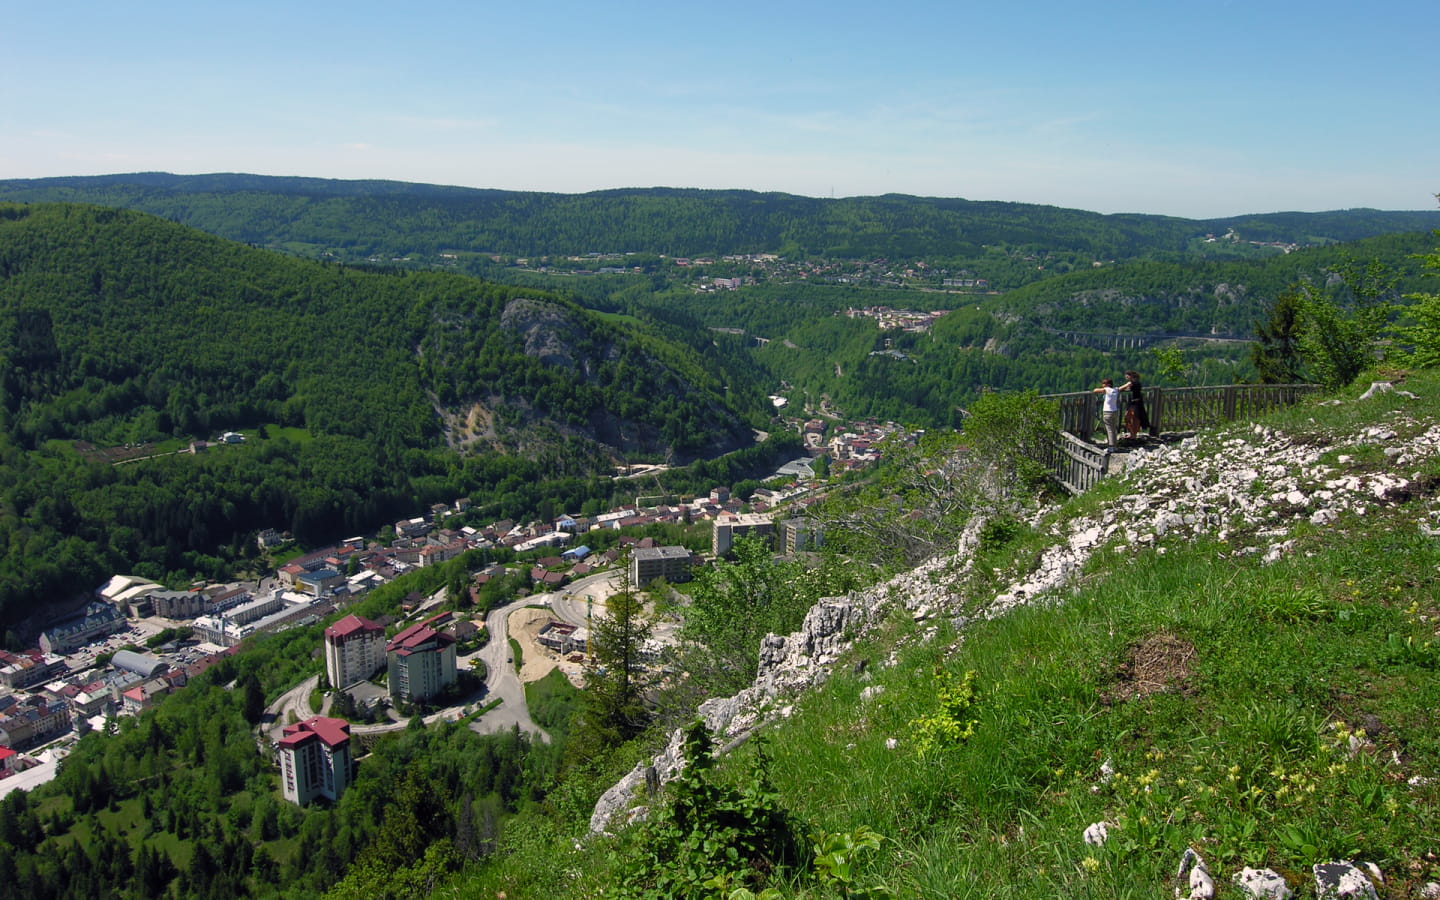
<point x="1244" y="488"/>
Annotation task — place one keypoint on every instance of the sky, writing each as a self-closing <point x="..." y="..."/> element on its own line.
<point x="1194" y="109"/>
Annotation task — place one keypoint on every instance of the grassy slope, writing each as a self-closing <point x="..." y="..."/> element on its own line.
<point x="1225" y="693"/>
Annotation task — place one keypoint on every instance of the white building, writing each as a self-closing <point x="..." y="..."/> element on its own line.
<point x="315" y="759"/>
<point x="727" y="528"/>
<point x="354" y="650"/>
<point x="422" y="662"/>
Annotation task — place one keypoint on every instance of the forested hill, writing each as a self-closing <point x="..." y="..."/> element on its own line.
<point x="122" y="326"/>
<point x="361" y="219"/>
<point x="365" y="394"/>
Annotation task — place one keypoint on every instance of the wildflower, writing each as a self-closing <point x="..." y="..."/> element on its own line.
<point x="1090" y="864"/>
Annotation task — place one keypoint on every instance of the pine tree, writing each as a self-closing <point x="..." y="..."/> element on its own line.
<point x="616" y="674"/>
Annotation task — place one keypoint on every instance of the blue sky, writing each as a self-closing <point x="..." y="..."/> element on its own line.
<point x="1188" y="109"/>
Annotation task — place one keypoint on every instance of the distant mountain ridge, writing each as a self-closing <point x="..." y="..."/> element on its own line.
<point x="315" y="216"/>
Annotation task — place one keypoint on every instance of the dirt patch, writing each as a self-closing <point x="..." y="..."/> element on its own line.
<point x="1159" y="663"/>
<point x="524" y="626"/>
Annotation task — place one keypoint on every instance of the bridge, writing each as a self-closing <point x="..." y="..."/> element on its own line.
<point x="1078" y="463"/>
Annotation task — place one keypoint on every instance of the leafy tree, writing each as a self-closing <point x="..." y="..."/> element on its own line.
<point x="1011" y="435"/>
<point x="1423" y="334"/>
<point x="710" y="834"/>
<point x="1169" y="362"/>
<point x="732" y="606"/>
<point x="1337" y="342"/>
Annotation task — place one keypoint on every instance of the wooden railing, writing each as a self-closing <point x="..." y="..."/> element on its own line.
<point x="1078" y="463"/>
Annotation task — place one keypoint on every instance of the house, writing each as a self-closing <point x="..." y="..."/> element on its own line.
<point x="315" y="759"/>
<point x="421" y="662"/>
<point x="354" y="650"/>
<point x="464" y="630"/>
<point x="141" y="697"/>
<point x="547" y="580"/>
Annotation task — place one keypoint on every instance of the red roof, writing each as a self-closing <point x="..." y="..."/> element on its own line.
<point x="417" y="635"/>
<point x="350" y="625"/>
<point x="334" y="732"/>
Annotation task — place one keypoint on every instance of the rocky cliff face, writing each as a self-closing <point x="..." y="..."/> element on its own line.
<point x="1248" y="487"/>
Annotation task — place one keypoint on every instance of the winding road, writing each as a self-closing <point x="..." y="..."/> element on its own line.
<point x="502" y="682"/>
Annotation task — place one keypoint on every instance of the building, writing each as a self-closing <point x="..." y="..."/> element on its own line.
<point x="563" y="637"/>
<point x="22" y="670"/>
<point x="315" y="759"/>
<point x="797" y="535"/>
<point x="33" y="720"/>
<point x="141" y="697"/>
<point x="179" y="604"/>
<point x="319" y="582"/>
<point x="294" y="609"/>
<point x="354" y="650"/>
<point x="139" y="663"/>
<point x="649" y="563"/>
<point x="421" y="662"/>
<point x="98" y="619"/>
<point x="725" y="529"/>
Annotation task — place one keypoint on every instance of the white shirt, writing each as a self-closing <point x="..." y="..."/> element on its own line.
<point x="1112" y="399"/>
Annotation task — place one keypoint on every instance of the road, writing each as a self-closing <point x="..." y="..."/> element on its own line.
<point x="583" y="597"/>
<point x="502" y="682"/>
<point x="291" y="706"/>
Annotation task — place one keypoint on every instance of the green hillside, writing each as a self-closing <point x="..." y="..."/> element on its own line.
<point x="121" y="330"/>
<point x="356" y="220"/>
<point x="1242" y="661"/>
<point x="1060" y="334"/>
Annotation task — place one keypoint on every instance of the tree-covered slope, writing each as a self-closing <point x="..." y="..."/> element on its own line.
<point x="122" y="326"/>
<point x="357" y="219"/>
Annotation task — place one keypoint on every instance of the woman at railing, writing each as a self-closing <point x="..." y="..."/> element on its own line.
<point x="1136" y="419"/>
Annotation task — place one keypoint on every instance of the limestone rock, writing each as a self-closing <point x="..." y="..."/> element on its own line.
<point x="1263" y="884"/>
<point x="1342" y="881"/>
<point x="1194" y="877"/>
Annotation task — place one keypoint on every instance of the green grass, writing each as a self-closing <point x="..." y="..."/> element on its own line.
<point x="1265" y="715"/>
<point x="553" y="702"/>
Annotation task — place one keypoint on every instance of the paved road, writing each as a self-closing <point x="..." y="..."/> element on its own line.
<point x="502" y="682"/>
<point x="583" y="597"/>
<point x="291" y="706"/>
